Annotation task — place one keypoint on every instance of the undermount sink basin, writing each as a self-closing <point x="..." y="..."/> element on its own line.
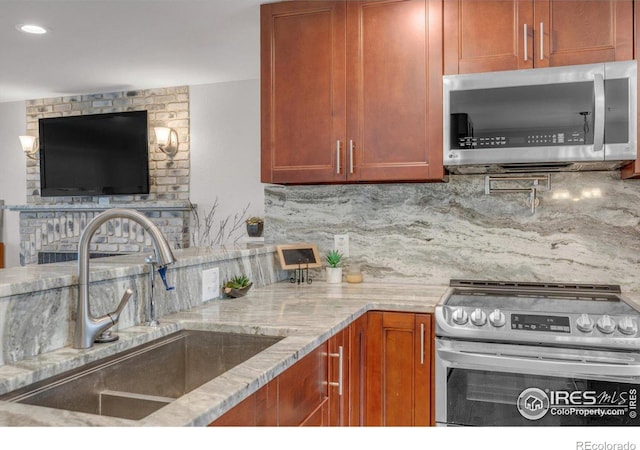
<point x="142" y="380"/>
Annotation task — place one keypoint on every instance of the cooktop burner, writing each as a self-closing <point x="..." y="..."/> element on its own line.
<point x="546" y="313"/>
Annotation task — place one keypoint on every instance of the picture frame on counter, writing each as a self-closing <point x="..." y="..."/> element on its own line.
<point x="293" y="256"/>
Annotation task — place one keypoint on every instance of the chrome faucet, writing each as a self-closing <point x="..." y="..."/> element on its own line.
<point x="89" y="327"/>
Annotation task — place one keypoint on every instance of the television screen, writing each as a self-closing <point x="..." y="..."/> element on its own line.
<point x="92" y="155"/>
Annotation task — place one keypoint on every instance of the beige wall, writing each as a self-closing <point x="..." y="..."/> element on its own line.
<point x="12" y="176"/>
<point x="225" y="151"/>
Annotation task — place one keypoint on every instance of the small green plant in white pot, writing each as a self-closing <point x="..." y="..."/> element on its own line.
<point x="334" y="273"/>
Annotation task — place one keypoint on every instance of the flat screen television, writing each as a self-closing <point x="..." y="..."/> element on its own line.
<point x="94" y="155"/>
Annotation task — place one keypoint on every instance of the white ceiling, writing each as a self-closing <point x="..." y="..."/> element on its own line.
<point x="113" y="45"/>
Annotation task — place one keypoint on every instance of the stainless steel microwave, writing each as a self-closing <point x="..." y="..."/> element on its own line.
<point x="562" y="118"/>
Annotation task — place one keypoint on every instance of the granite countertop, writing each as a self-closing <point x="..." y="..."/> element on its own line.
<point x="306" y="315"/>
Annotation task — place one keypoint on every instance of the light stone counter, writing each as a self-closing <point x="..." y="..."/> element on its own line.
<point x="306" y="315"/>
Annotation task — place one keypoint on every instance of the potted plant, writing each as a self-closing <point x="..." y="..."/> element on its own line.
<point x="334" y="273"/>
<point x="255" y="226"/>
<point x="237" y="286"/>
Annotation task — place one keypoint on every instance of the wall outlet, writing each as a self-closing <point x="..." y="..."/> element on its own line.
<point x="341" y="243"/>
<point x="210" y="284"/>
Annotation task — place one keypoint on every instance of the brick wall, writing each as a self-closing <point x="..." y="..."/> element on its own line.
<point x="169" y="176"/>
<point x="43" y="228"/>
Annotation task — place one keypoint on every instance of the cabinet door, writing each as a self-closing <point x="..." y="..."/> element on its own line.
<point x="318" y="418"/>
<point x="394" y="90"/>
<point x="357" y="371"/>
<point x="241" y="415"/>
<point x="259" y="409"/>
<point x="303" y="388"/>
<point x="486" y="36"/>
<point x="583" y="32"/>
<point x="339" y="379"/>
<point x="302" y="92"/>
<point x="398" y="369"/>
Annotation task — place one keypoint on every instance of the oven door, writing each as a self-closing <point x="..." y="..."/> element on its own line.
<point x="490" y="384"/>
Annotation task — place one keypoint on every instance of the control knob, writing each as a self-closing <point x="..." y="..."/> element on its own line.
<point x="478" y="317"/>
<point x="584" y="323"/>
<point x="460" y="316"/>
<point x="627" y="326"/>
<point x="497" y="318"/>
<point x="606" y="324"/>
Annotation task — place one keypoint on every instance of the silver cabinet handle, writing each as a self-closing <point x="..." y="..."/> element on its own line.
<point x="526" y="50"/>
<point x="351" y="146"/>
<point x="338" y="156"/>
<point x="541" y="41"/>
<point x="340" y="356"/>
<point x="422" y="344"/>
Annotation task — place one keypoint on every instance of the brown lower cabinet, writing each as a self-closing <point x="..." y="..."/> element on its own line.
<point x="260" y="409"/>
<point x="298" y="396"/>
<point x="399" y="369"/>
<point x="376" y="372"/>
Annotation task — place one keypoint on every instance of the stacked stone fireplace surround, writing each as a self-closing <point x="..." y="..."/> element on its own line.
<point x="51" y="227"/>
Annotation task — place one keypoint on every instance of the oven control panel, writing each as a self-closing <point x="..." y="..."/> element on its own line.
<point x="562" y="314"/>
<point x="531" y="322"/>
<point x="504" y="322"/>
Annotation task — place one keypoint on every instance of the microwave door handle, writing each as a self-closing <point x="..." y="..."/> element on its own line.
<point x="527" y="365"/>
<point x="525" y="38"/>
<point x="598" y="127"/>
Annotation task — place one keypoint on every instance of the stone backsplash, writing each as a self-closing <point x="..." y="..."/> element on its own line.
<point x="585" y="229"/>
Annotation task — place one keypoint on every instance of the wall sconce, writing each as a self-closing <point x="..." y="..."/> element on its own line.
<point x="29" y="146"/>
<point x="167" y="140"/>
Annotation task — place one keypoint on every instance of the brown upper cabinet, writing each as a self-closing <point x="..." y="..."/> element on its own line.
<point x="485" y="36"/>
<point x="351" y="91"/>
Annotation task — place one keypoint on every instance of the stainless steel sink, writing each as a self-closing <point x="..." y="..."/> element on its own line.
<point x="140" y="381"/>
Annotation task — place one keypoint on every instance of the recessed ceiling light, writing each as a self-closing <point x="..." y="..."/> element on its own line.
<point x="31" y="28"/>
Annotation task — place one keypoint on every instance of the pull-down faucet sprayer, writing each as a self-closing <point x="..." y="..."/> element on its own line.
<point x="88" y="327"/>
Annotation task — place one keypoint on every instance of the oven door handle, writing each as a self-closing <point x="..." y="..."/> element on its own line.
<point x="529" y="365"/>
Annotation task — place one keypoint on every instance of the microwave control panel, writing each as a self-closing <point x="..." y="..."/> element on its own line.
<point x="524" y="140"/>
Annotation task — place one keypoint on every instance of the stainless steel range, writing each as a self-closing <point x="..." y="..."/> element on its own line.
<point x="513" y="353"/>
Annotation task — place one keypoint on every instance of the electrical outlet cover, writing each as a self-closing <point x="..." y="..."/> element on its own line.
<point x="210" y="284"/>
<point x="341" y="243"/>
